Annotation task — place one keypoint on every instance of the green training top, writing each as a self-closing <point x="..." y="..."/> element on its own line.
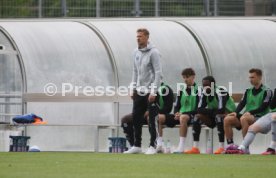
<point x="214" y="104"/>
<point x="161" y="99"/>
<point x="230" y="105"/>
<point x="188" y="102"/>
<point x="255" y="101"/>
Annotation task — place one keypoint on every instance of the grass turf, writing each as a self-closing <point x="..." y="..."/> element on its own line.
<point x="84" y="165"/>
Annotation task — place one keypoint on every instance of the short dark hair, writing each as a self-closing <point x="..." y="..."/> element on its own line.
<point x="256" y="71"/>
<point x="210" y="79"/>
<point x="188" y="72"/>
<point x="143" y="30"/>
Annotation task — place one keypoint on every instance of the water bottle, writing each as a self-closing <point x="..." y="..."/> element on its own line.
<point x="113" y="146"/>
<point x="119" y="146"/>
<point x="110" y="146"/>
<point x="209" y="146"/>
<point x="168" y="147"/>
<point x="116" y="145"/>
<point x="163" y="147"/>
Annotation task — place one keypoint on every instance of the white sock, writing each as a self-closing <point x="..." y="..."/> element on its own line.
<point x="221" y="144"/>
<point x="196" y="144"/>
<point x="272" y="145"/>
<point x="248" y="139"/>
<point x="181" y="145"/>
<point x="159" y="141"/>
<point x="242" y="147"/>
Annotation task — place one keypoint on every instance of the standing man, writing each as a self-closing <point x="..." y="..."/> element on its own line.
<point x="127" y="125"/>
<point x="146" y="79"/>
<point x="256" y="103"/>
<point x="165" y="103"/>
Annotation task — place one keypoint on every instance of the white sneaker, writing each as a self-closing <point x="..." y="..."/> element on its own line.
<point x="133" y="150"/>
<point x="151" y="150"/>
<point x="179" y="150"/>
<point x="159" y="149"/>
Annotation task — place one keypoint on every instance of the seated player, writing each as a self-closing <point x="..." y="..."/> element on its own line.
<point x="262" y="125"/>
<point x="255" y="102"/>
<point x="185" y="109"/>
<point x="213" y="107"/>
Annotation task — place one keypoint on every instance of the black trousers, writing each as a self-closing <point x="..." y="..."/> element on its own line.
<point x="140" y="106"/>
<point x="127" y="125"/>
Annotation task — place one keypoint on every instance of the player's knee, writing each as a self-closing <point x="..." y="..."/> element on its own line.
<point x="184" y="119"/>
<point x="127" y="119"/>
<point x="230" y="121"/>
<point x="248" y="120"/>
<point x="273" y="116"/>
<point x="161" y="118"/>
<point x="244" y="119"/>
<point x="253" y="129"/>
<point x="160" y="122"/>
<point x="227" y="121"/>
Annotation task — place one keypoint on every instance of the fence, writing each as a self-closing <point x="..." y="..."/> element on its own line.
<point x="134" y="8"/>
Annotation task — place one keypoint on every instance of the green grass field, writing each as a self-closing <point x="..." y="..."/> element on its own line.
<point x="87" y="165"/>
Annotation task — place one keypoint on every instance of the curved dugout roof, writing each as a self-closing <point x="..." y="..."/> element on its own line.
<point x="63" y="52"/>
<point x="234" y="46"/>
<point x="10" y="75"/>
<point x="99" y="52"/>
<point x="96" y="52"/>
<point x="177" y="47"/>
<point x="59" y="52"/>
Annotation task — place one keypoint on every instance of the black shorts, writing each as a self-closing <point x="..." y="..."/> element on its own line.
<point x="212" y="117"/>
<point x="171" y="122"/>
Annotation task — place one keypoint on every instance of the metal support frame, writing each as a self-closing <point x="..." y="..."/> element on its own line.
<point x="137" y="11"/>
<point x="98" y="8"/>
<point x="215" y="8"/>
<point x="207" y="7"/>
<point x="274" y="7"/>
<point x="157" y="8"/>
<point x="39" y="8"/>
<point x="64" y="8"/>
